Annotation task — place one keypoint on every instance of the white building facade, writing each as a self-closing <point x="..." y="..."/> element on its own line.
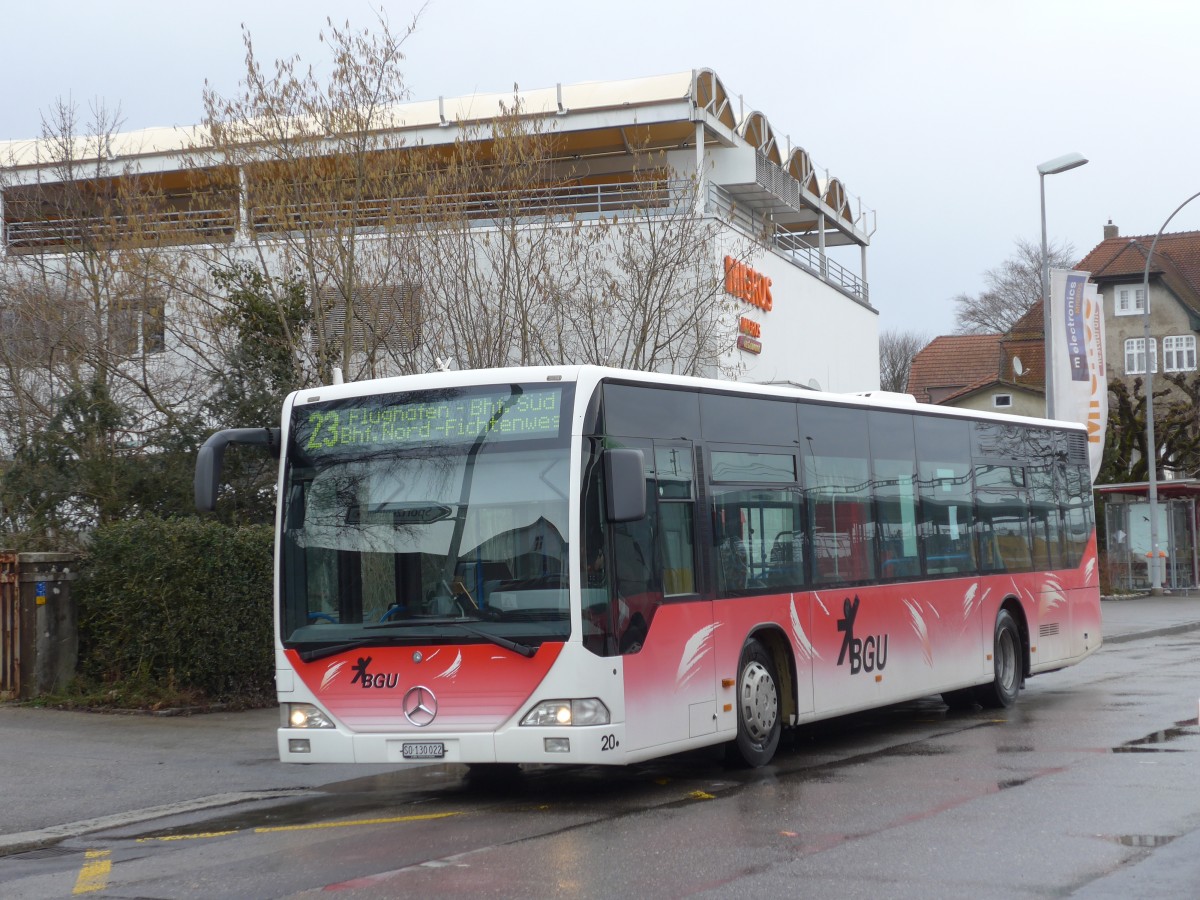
<point x="789" y="238"/>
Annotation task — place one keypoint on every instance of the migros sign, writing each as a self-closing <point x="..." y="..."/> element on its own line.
<point x="748" y="285"/>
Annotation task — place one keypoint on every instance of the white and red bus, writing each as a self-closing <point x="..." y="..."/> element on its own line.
<point x="588" y="565"/>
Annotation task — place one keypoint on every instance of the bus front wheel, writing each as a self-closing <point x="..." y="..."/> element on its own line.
<point x="758" y="720"/>
<point x="1007" y="662"/>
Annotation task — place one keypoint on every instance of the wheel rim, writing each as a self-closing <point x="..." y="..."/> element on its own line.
<point x="760" y="702"/>
<point x="1006" y="660"/>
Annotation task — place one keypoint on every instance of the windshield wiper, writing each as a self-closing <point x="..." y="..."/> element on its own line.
<point x="335" y="649"/>
<point x="515" y="646"/>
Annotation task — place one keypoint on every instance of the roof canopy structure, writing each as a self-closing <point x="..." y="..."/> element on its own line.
<point x="592" y="121"/>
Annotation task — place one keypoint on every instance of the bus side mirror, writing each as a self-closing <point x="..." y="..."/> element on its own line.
<point x="625" y="485"/>
<point x="211" y="459"/>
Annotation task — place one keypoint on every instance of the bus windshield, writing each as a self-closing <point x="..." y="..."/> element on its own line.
<point x="432" y="516"/>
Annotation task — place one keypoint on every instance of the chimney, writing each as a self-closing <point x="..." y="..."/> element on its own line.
<point x="1111" y="230"/>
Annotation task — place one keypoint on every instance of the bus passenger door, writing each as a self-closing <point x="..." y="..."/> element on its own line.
<point x="670" y="690"/>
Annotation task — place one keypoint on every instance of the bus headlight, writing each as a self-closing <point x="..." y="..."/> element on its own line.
<point x="305" y="715"/>
<point x="589" y="711"/>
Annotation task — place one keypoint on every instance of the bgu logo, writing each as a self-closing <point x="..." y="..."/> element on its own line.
<point x="367" y="680"/>
<point x="865" y="655"/>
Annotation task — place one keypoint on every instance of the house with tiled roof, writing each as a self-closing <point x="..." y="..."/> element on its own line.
<point x="1117" y="266"/>
<point x="996" y="372"/>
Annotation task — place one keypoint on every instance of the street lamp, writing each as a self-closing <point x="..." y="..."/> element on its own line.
<point x="1156" y="588"/>
<point x="1051" y="167"/>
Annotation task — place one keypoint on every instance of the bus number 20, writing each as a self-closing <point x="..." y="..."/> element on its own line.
<point x="609" y="742"/>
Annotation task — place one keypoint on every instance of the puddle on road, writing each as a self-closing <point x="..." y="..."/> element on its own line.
<point x="922" y="750"/>
<point x="1141" y="840"/>
<point x="1151" y="742"/>
<point x="1014" y="783"/>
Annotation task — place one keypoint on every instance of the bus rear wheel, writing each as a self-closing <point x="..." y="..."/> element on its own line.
<point x="1007" y="662"/>
<point x="758" y="719"/>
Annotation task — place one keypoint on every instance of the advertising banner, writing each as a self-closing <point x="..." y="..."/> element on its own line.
<point x="1076" y="366"/>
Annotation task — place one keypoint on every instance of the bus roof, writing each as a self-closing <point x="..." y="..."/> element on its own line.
<point x="589" y="375"/>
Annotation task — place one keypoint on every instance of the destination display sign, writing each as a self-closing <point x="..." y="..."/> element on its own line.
<point x="432" y="418"/>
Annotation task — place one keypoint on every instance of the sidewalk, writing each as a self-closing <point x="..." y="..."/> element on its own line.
<point x="64" y="774"/>
<point x="1142" y="616"/>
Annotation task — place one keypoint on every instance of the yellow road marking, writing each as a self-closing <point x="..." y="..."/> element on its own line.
<point x="314" y="825"/>
<point x="187" y="837"/>
<point x="308" y="827"/>
<point x="94" y="874"/>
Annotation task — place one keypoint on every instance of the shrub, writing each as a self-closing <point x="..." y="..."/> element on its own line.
<point x="178" y="605"/>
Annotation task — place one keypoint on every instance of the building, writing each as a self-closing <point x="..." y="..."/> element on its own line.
<point x="791" y="240"/>
<point x="1118" y="267"/>
<point x="991" y="372"/>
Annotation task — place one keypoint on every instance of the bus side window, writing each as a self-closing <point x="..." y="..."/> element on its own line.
<point x="759" y="536"/>
<point x="894" y="479"/>
<point x="1077" y="514"/>
<point x="676" y="518"/>
<point x="947" y="497"/>
<point x="835" y="454"/>
<point x="1046" y="541"/>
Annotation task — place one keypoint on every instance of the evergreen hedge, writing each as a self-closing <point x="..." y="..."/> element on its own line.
<point x="178" y="607"/>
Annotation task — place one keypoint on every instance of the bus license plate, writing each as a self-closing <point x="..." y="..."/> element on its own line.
<point x="427" y="750"/>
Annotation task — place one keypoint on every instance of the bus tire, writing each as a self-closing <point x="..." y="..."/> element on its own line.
<point x="960" y="700"/>
<point x="1007" y="662"/>
<point x="758" y="715"/>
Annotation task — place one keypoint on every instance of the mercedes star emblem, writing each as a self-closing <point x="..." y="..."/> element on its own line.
<point x="420" y="706"/>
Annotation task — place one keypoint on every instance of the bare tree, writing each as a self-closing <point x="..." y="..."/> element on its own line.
<point x="326" y="183"/>
<point x="487" y="252"/>
<point x="1012" y="288"/>
<point x="652" y="293"/>
<point x="896" y="352"/>
<point x="494" y="244"/>
<point x="86" y="404"/>
<point x="625" y="275"/>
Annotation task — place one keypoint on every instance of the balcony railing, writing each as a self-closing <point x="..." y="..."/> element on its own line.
<point x="561" y="201"/>
<point x="220" y="225"/>
<point x="788" y="243"/>
<point x="147" y="228"/>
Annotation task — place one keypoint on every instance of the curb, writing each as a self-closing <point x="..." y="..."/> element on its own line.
<point x="24" y="841"/>
<point x="1153" y="632"/>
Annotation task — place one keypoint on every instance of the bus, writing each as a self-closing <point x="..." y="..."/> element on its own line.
<point x="595" y="566"/>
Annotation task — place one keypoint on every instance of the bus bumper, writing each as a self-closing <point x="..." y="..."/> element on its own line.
<point x="600" y="744"/>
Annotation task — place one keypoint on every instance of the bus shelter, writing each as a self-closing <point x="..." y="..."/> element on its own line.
<point x="1127" y="538"/>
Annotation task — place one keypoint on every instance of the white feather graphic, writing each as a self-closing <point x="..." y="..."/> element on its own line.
<point x="1089" y="570"/>
<point x="821" y="604"/>
<point x="1052" y="596"/>
<point x="969" y="601"/>
<point x="693" y="651"/>
<point x="920" y="629"/>
<point x="801" y="639"/>
<point x="453" y="669"/>
<point x="332" y="673"/>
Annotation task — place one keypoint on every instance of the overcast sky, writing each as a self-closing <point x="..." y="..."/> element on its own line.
<point x="934" y="113"/>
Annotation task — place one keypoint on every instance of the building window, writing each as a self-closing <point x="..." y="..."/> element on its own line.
<point x="1130" y="300"/>
<point x="384" y="317"/>
<point x="1179" y="353"/>
<point x="1002" y="401"/>
<point x="138" y="328"/>
<point x="1135" y="356"/>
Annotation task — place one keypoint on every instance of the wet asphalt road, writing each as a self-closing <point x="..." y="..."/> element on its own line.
<point x="1087" y="788"/>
